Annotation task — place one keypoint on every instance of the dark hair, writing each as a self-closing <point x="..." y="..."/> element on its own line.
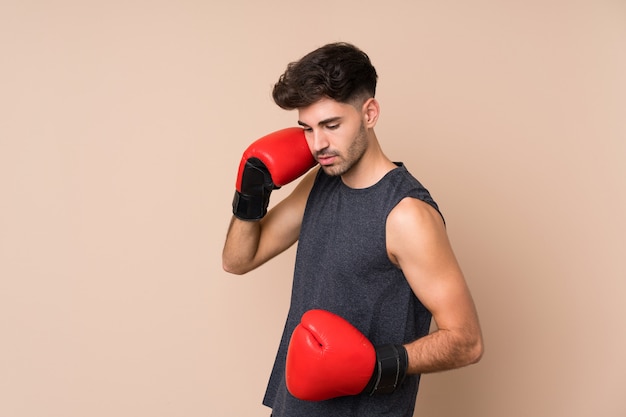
<point x="339" y="71"/>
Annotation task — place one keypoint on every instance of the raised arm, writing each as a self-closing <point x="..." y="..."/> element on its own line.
<point x="256" y="235"/>
<point x="251" y="244"/>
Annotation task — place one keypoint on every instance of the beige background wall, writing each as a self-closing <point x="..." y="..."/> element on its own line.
<point x="121" y="127"/>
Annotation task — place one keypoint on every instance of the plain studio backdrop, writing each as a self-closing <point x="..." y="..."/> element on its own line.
<point x="121" y="128"/>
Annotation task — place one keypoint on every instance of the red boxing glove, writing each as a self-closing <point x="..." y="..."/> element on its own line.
<point x="269" y="163"/>
<point x="328" y="358"/>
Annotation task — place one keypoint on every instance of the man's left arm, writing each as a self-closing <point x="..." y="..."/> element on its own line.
<point x="418" y="243"/>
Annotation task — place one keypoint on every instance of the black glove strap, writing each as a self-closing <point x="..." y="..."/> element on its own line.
<point x="256" y="186"/>
<point x="250" y="207"/>
<point x="390" y="371"/>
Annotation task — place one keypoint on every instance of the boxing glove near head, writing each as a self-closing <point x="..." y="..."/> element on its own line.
<point x="328" y="358"/>
<point x="269" y="163"/>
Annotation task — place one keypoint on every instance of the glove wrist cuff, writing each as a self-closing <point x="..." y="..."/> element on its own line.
<point x="390" y="370"/>
<point x="250" y="207"/>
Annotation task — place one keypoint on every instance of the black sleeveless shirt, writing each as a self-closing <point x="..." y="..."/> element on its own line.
<point x="342" y="266"/>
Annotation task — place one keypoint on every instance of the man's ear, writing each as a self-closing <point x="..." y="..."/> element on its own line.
<point x="371" y="111"/>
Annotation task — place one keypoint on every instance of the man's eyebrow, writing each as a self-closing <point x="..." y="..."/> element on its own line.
<point x="322" y="122"/>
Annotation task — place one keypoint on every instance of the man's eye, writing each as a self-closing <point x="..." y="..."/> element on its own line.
<point x="332" y="127"/>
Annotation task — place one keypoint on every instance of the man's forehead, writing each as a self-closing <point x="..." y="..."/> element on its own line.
<point x="323" y="111"/>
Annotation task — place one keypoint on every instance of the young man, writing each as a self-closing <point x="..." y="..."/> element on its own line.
<point x="373" y="264"/>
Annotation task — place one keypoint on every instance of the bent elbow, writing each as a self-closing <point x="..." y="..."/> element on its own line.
<point x="476" y="352"/>
<point x="236" y="266"/>
<point x="232" y="268"/>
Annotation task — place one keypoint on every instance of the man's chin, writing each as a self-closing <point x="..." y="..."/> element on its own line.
<point x="333" y="170"/>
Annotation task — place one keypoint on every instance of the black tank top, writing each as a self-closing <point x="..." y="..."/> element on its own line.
<point x="342" y="266"/>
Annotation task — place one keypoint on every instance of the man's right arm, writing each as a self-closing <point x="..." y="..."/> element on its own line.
<point x="250" y="244"/>
<point x="256" y="235"/>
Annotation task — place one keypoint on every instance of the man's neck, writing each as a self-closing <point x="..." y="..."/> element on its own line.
<point x="370" y="169"/>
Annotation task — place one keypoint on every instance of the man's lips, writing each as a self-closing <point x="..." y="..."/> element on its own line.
<point x="325" y="159"/>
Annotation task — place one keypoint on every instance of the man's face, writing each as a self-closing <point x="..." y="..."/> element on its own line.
<point x="335" y="133"/>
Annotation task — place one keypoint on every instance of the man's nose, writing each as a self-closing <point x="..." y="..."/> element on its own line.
<point x="320" y="140"/>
